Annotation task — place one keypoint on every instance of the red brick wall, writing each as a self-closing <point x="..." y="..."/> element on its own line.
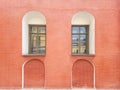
<point x="58" y="60"/>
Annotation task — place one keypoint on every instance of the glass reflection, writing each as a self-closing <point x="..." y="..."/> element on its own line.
<point x="82" y="29"/>
<point x="75" y="37"/>
<point x="42" y="43"/>
<point x="41" y="29"/>
<point x="83" y="49"/>
<point x="79" y="39"/>
<point x="82" y="37"/>
<point x="34" y="50"/>
<point x="83" y="43"/>
<point x="37" y="39"/>
<point x="41" y="50"/>
<point x="75" y="50"/>
<point x="75" y="29"/>
<point x="34" y="30"/>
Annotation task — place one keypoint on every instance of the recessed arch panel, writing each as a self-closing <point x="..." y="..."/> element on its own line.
<point x="33" y="74"/>
<point x="83" y="74"/>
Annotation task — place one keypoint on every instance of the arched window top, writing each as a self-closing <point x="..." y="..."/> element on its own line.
<point x="82" y="18"/>
<point x="34" y="17"/>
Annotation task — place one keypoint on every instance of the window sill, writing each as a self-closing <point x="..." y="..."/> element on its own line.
<point x="33" y="55"/>
<point x="83" y="54"/>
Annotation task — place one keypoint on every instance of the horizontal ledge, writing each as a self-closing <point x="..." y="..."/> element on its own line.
<point x="83" y="54"/>
<point x="58" y="89"/>
<point x="33" y="55"/>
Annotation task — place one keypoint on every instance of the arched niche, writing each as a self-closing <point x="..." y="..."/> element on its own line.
<point x="85" y="18"/>
<point x="34" y="18"/>
<point x="83" y="74"/>
<point x="33" y="74"/>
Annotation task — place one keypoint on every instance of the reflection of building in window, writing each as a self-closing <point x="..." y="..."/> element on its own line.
<point x="80" y="39"/>
<point x="37" y="39"/>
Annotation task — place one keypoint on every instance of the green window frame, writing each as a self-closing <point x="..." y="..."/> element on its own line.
<point x="37" y="39"/>
<point x="80" y="39"/>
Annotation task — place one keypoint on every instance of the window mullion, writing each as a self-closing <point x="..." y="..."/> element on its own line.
<point x="79" y="40"/>
<point x="87" y="41"/>
<point x="37" y="42"/>
<point x="30" y="42"/>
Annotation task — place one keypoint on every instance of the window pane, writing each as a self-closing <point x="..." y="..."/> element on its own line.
<point x="33" y="50"/>
<point x="42" y="37"/>
<point x="42" y="44"/>
<point x="34" y="37"/>
<point x="41" y="50"/>
<point x="75" y="29"/>
<point x="82" y="37"/>
<point x="34" y="29"/>
<point x="82" y="49"/>
<point x="75" y="37"/>
<point x="41" y="29"/>
<point x="41" y="41"/>
<point x="34" y="44"/>
<point x="82" y="29"/>
<point x="33" y="40"/>
<point x="82" y="43"/>
<point x="75" y="50"/>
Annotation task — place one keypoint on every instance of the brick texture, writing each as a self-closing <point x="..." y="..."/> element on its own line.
<point x="83" y="74"/>
<point x="34" y="74"/>
<point x="58" y="60"/>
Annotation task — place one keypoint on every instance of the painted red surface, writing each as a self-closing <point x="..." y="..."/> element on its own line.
<point x="34" y="74"/>
<point x="58" y="60"/>
<point x="82" y="74"/>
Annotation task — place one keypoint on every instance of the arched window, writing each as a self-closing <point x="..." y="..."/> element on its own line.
<point x="33" y="33"/>
<point x="83" y="34"/>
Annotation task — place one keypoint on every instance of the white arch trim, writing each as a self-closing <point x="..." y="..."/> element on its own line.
<point x="85" y="18"/>
<point x="94" y="74"/>
<point x="31" y="17"/>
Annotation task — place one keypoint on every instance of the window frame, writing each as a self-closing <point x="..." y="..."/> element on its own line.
<point x="87" y="41"/>
<point x="29" y="46"/>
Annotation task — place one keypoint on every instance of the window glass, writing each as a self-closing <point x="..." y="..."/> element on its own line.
<point x="34" y="30"/>
<point x="37" y="39"/>
<point x="75" y="37"/>
<point x="41" y="29"/>
<point x="82" y="29"/>
<point x="79" y="39"/>
<point x="75" y="30"/>
<point x="82" y="37"/>
<point x="75" y="49"/>
<point x="42" y="44"/>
